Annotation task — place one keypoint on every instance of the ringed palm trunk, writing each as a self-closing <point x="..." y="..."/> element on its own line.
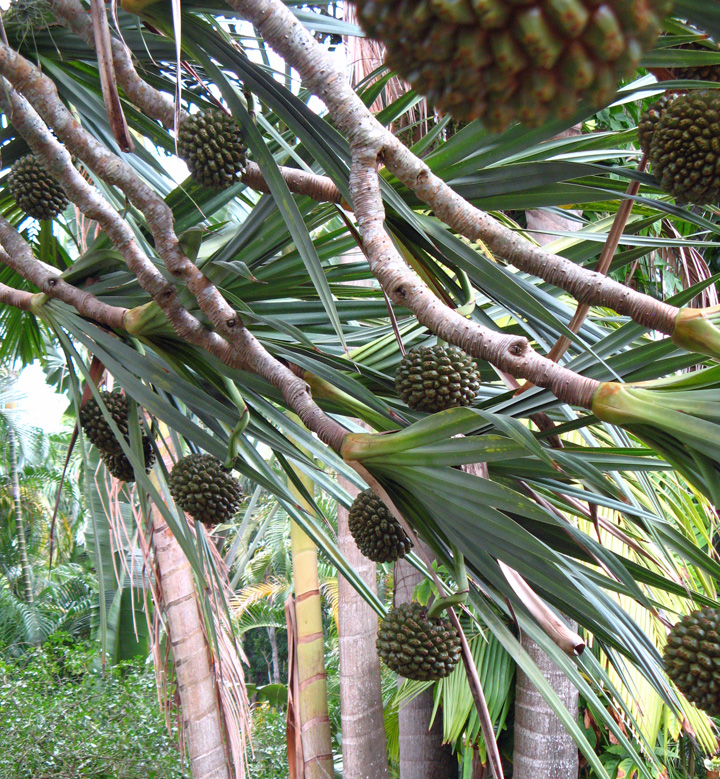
<point x="312" y="679"/>
<point x="203" y="722"/>
<point x="422" y="753"/>
<point x="275" y="655"/>
<point x="25" y="569"/>
<point x="542" y="745"/>
<point x="364" y="747"/>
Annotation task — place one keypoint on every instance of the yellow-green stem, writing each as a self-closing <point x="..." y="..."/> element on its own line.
<point x="316" y="738"/>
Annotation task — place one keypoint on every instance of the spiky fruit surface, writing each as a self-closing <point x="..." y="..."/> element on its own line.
<point x="121" y="468"/>
<point x="212" y="146"/>
<point x="685" y="148"/>
<point x="35" y="190"/>
<point x="692" y="658"/>
<point x="648" y="122"/>
<point x="433" y="378"/>
<point x="375" y="530"/>
<point x="201" y="486"/>
<point x="417" y="647"/>
<point x="97" y="429"/>
<point x="503" y="60"/>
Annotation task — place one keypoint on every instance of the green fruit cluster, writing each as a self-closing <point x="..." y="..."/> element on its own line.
<point x="507" y="60"/>
<point x="416" y="647"/>
<point x="683" y="146"/>
<point x="433" y="378"/>
<point x="99" y="432"/>
<point x="35" y="190"/>
<point x="375" y="530"/>
<point x="202" y="486"/>
<point x="212" y="146"/>
<point x="692" y="658"/>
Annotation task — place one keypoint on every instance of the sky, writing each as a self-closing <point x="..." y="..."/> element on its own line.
<point x="45" y="407"/>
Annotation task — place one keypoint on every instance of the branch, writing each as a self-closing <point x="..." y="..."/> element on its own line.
<point x="512" y="354"/>
<point x="18" y="256"/>
<point x="319" y="73"/>
<point x="17" y="298"/>
<point x="160" y="106"/>
<point x="244" y="350"/>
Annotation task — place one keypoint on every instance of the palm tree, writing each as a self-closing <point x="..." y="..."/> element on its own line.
<point x="221" y="313"/>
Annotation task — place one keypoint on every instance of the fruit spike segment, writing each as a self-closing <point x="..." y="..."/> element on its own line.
<point x="35" y="191"/>
<point x="96" y="427"/>
<point x="433" y="378"/>
<point x="202" y="486"/>
<point x="121" y="468"/>
<point x="416" y="647"/>
<point x="479" y="58"/>
<point x="684" y="149"/>
<point x="375" y="530"/>
<point x="212" y="146"/>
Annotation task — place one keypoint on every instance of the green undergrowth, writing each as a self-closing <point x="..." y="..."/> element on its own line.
<point x="63" y="719"/>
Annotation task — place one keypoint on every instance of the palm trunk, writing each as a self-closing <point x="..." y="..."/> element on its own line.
<point x="312" y="679"/>
<point x="422" y="753"/>
<point x="364" y="747"/>
<point x="542" y="745"/>
<point x="203" y="722"/>
<point x="25" y="569"/>
<point x="272" y="634"/>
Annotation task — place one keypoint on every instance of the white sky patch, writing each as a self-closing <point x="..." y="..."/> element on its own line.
<point x="44" y="406"/>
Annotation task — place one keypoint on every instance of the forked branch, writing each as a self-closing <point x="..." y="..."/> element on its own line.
<point x="238" y="347"/>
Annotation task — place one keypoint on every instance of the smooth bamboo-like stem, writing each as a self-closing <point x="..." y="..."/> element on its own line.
<point x="312" y="678"/>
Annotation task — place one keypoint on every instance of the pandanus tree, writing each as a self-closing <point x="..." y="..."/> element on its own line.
<point x="222" y="308"/>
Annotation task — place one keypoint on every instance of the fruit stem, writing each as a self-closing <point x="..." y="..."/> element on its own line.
<point x="463" y="587"/>
<point x="239" y="428"/>
<point x="441" y="604"/>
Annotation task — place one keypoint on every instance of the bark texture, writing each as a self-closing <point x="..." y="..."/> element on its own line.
<point x="203" y="723"/>
<point x="422" y="753"/>
<point x="364" y="746"/>
<point x="542" y="745"/>
<point x="312" y="679"/>
<point x="543" y="748"/>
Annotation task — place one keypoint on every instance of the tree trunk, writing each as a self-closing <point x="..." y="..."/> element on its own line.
<point x="203" y="722"/>
<point x="422" y="753"/>
<point x="543" y="748"/>
<point x="25" y="569"/>
<point x="364" y="747"/>
<point x="316" y="737"/>
<point x="272" y="633"/>
<point x="542" y="745"/>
